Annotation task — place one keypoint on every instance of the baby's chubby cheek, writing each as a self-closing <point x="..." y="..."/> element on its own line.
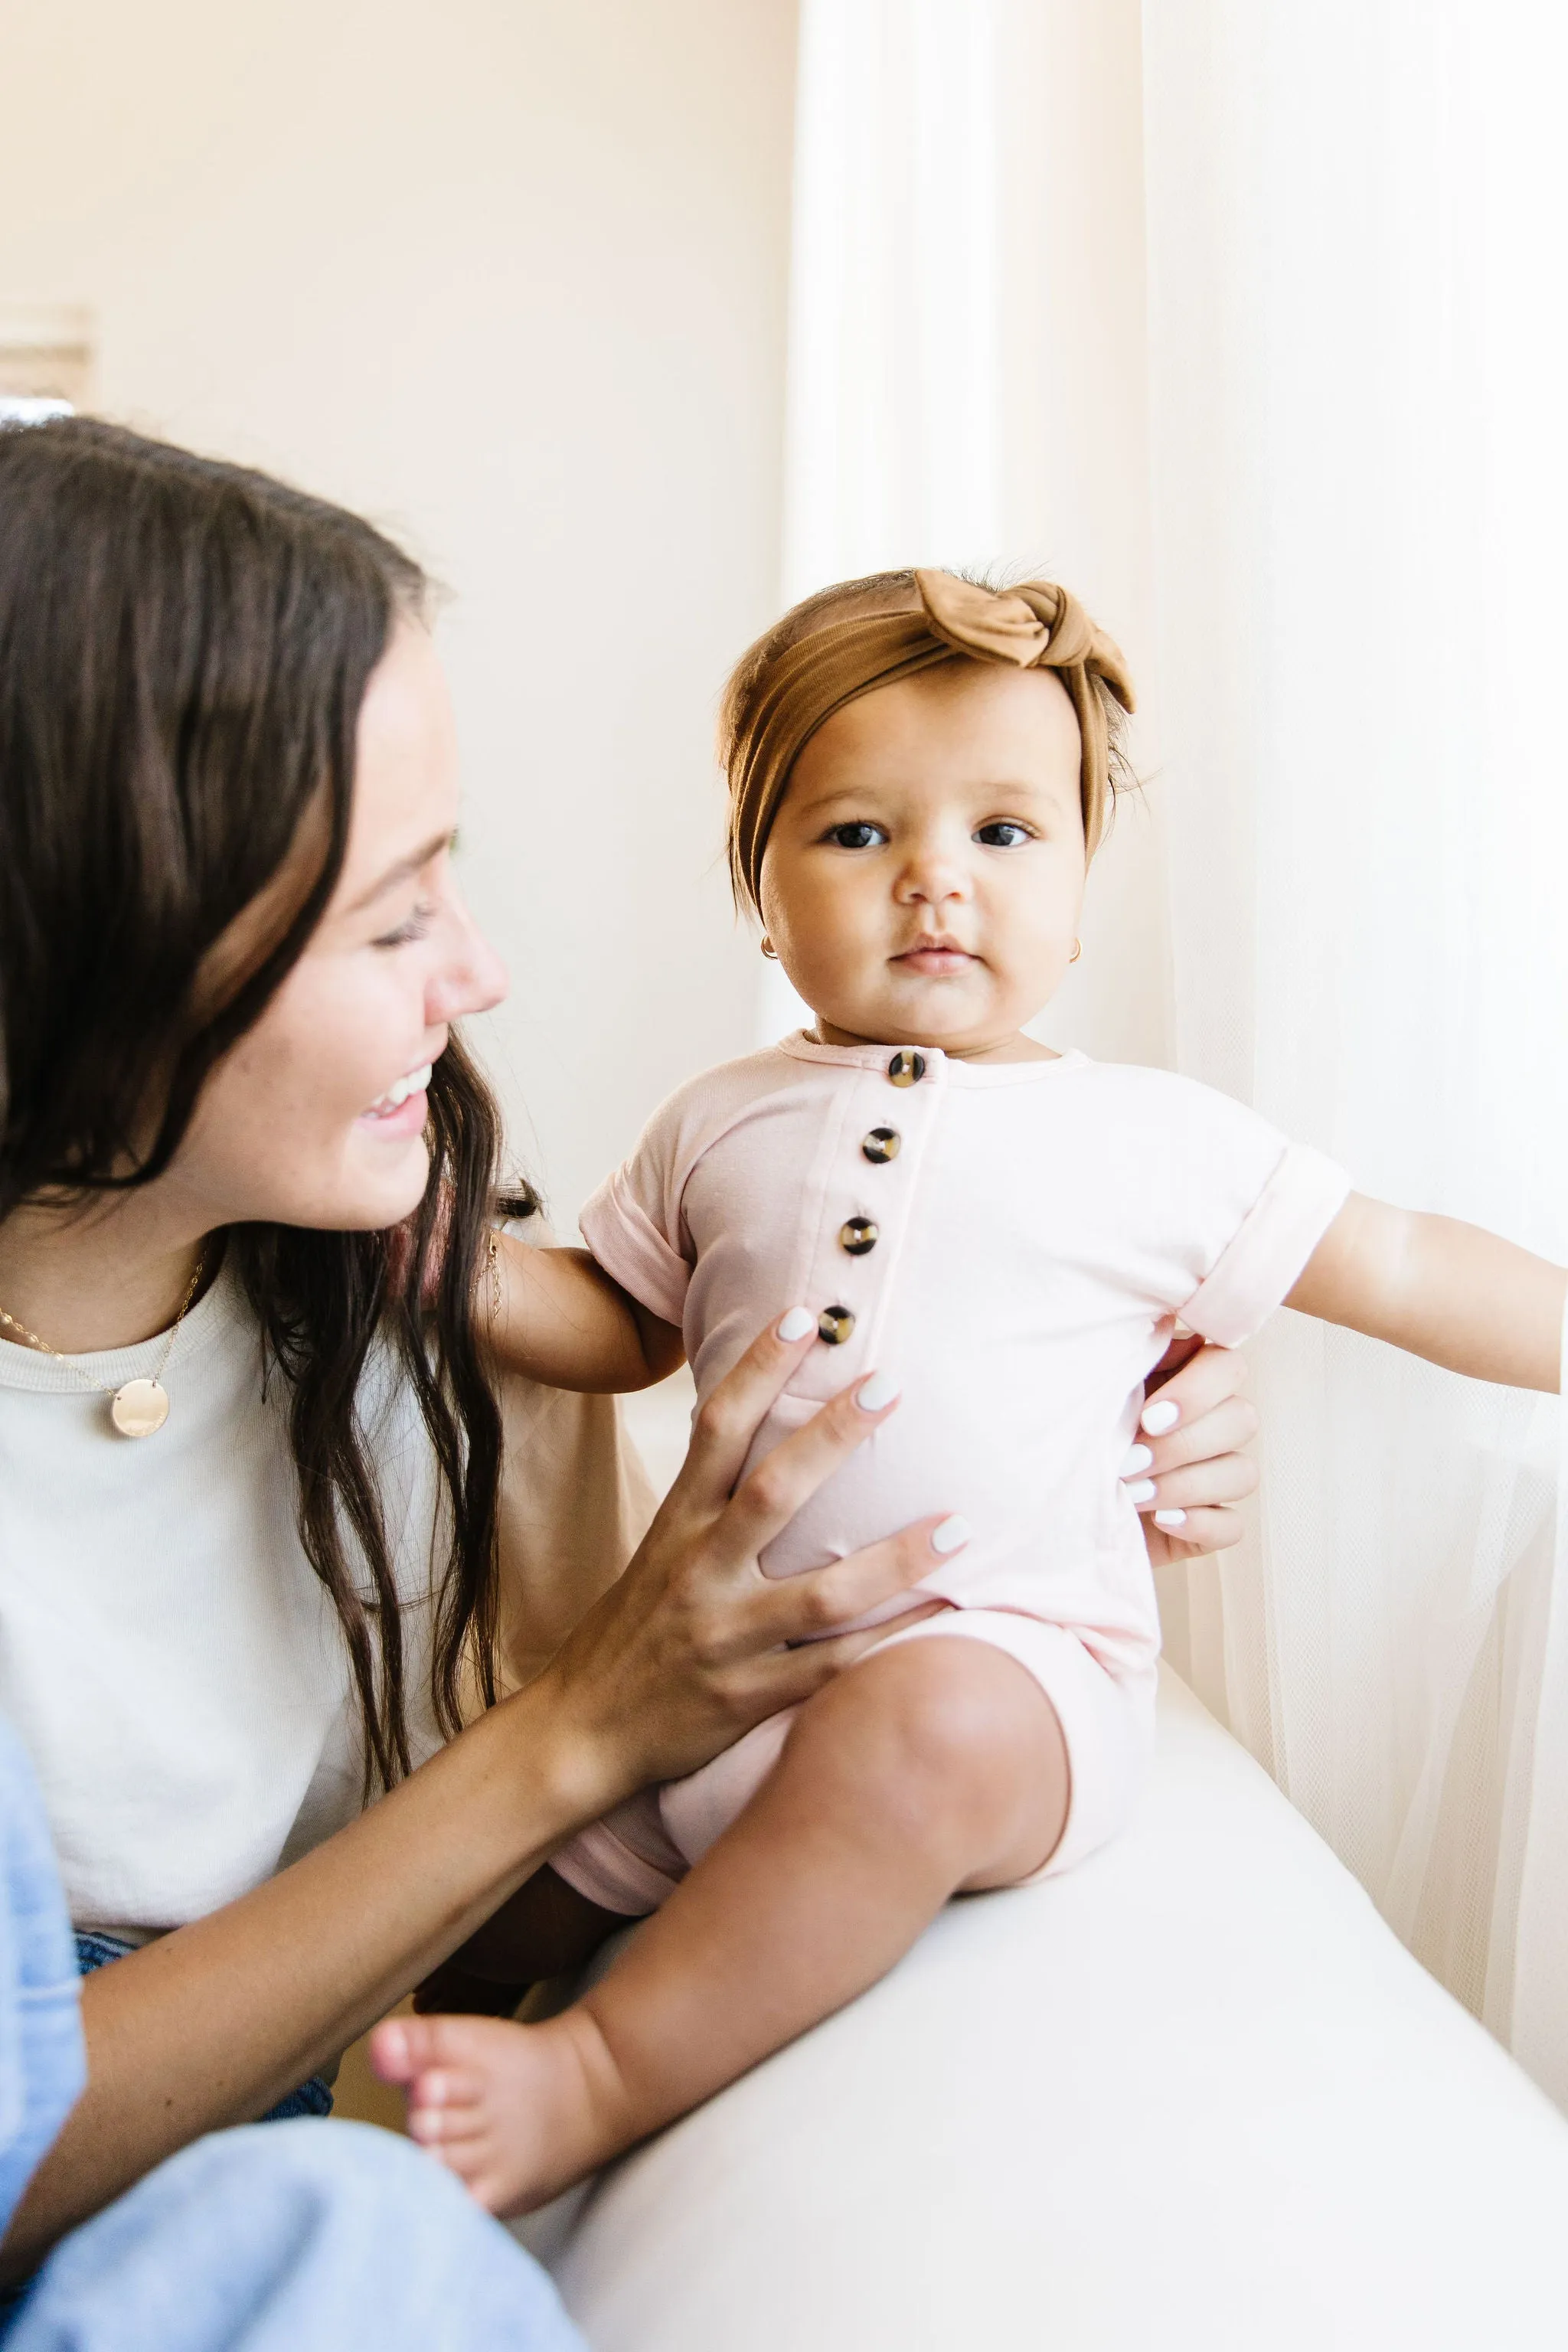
<point x="846" y="982"/>
<point x="821" y="953"/>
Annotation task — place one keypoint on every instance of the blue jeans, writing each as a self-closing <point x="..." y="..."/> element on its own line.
<point x="304" y="2236"/>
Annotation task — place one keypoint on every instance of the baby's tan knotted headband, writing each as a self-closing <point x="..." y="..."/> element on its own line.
<point x="778" y="700"/>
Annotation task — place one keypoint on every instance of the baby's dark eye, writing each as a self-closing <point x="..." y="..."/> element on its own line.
<point x="1004" y="834"/>
<point x="857" y="836"/>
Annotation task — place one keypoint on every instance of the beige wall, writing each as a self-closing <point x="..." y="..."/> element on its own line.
<point x="509" y="276"/>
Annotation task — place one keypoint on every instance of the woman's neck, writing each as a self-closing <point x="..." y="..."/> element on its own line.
<point x="108" y="1275"/>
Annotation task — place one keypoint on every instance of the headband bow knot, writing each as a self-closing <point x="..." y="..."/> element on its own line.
<point x="1037" y="626"/>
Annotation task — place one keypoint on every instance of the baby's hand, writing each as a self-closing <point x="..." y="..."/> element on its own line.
<point x="1190" y="1466"/>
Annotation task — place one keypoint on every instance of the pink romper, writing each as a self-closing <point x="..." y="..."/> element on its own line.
<point x="1013" y="1242"/>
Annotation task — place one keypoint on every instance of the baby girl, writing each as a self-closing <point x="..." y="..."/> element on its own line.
<point x="920" y="772"/>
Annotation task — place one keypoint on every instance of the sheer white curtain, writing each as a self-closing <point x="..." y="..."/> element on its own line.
<point x="1341" y="582"/>
<point x="1356" y="213"/>
<point x="891" y="412"/>
<point x="892" y="389"/>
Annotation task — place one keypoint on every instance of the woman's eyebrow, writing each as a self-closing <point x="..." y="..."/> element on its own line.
<point x="403" y="871"/>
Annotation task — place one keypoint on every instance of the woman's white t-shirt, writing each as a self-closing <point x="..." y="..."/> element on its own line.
<point x="167" y="1651"/>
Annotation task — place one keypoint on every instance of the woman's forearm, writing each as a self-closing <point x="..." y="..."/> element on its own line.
<point x="214" y="2023"/>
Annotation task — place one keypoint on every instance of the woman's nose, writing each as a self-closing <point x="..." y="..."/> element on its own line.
<point x="471" y="977"/>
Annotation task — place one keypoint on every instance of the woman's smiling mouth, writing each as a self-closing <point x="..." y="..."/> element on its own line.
<point x="401" y="1108"/>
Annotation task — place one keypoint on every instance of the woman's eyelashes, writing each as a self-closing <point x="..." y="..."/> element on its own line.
<point x="415" y="925"/>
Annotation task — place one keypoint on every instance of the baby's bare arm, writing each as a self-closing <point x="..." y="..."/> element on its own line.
<point x="1449" y="1291"/>
<point x="555" y="1315"/>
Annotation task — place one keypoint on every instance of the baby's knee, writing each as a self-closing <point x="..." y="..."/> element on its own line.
<point x="938" y="1724"/>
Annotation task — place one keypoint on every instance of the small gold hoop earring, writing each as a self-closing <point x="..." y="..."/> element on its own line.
<point x="1077" y="950"/>
<point x="769" y="949"/>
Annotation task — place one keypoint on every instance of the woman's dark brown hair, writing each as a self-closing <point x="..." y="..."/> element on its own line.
<point x="184" y="648"/>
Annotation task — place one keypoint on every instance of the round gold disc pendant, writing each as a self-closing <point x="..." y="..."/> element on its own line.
<point x="139" y="1408"/>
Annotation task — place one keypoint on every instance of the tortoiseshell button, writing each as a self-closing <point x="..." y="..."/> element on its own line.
<point x="835" y="1325"/>
<point x="859" y="1235"/>
<point x="906" y="1069"/>
<point x="881" y="1145"/>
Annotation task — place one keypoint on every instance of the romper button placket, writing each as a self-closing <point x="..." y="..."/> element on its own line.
<point x="858" y="1237"/>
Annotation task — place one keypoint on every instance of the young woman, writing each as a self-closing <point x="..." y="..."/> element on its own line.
<point x="268" y="1536"/>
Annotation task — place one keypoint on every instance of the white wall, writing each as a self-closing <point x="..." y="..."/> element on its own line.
<point x="511" y="277"/>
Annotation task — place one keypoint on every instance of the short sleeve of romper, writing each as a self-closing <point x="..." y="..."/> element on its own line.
<point x="1230" y="1210"/>
<point x="633" y="1223"/>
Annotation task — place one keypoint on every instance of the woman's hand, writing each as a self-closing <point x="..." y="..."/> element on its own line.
<point x="693" y="1645"/>
<point x="1190" y="1464"/>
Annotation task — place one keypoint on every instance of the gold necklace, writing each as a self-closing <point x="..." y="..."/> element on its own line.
<point x="140" y="1407"/>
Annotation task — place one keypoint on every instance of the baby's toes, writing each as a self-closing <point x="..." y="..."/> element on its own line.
<point x="445" y="2103"/>
<point x="402" y="2047"/>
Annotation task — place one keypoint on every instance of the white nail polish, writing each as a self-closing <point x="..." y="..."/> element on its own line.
<point x="951" y="1533"/>
<point x="796" y="1325"/>
<point x="1160" y="1416"/>
<point x="1138" y="1458"/>
<point x="1142" y="1490"/>
<point x="1170" y="1519"/>
<point x="873" y="1394"/>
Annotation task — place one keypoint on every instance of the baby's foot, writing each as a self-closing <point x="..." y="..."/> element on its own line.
<point x="518" y="2112"/>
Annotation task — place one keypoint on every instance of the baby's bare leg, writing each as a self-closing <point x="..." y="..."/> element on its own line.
<point x="935" y="1766"/>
